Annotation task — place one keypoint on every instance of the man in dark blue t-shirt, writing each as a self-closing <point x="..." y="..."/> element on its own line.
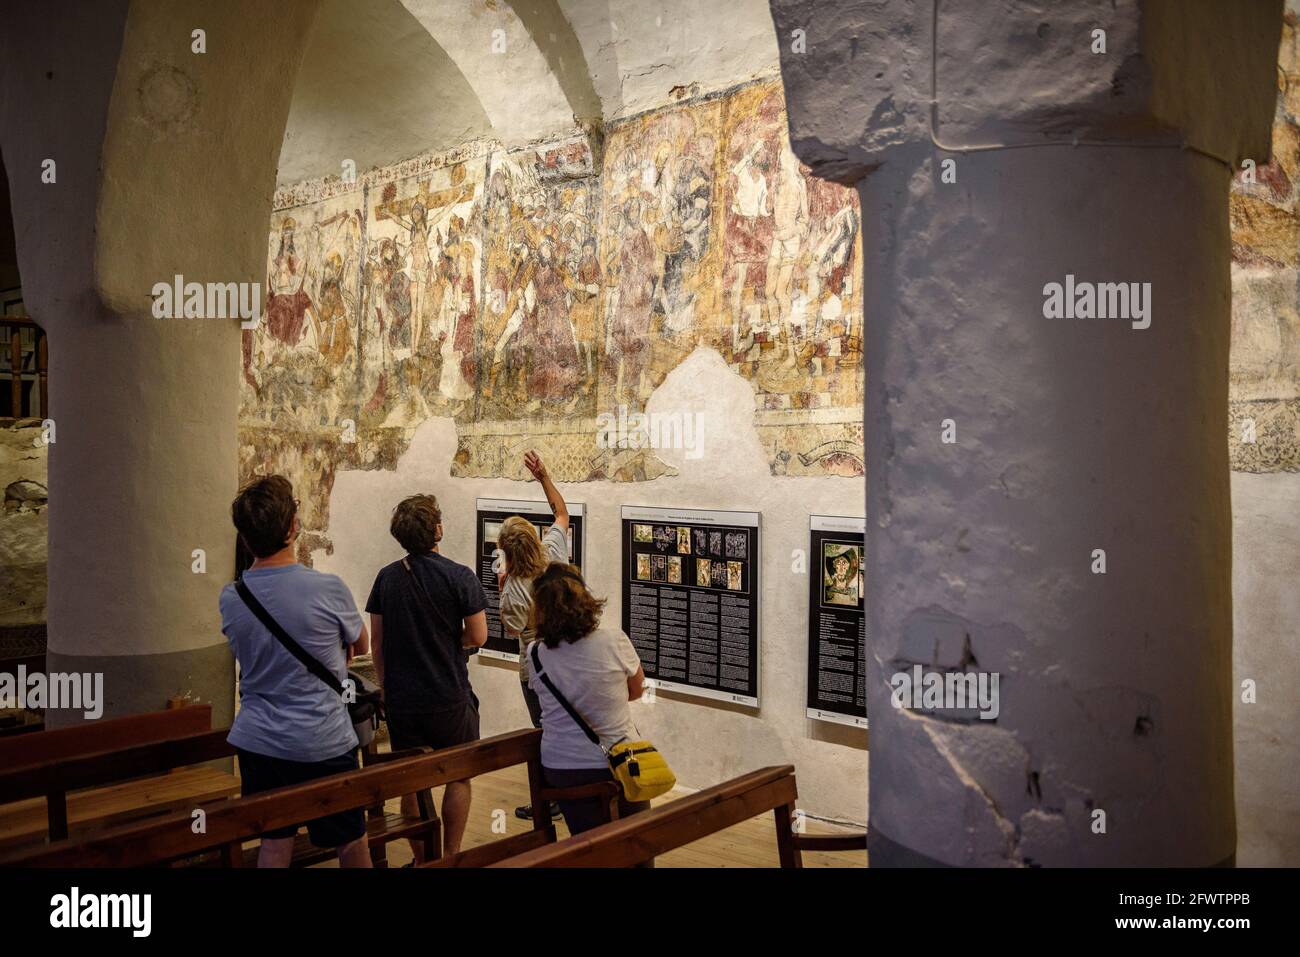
<point x="425" y="610"/>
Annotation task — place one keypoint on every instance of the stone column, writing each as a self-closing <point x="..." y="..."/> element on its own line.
<point x="1068" y="437"/>
<point x="166" y="158"/>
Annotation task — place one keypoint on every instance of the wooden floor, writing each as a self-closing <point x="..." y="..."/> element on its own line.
<point x="751" y="844"/>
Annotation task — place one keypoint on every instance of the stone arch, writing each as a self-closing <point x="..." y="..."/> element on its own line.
<point x="537" y="84"/>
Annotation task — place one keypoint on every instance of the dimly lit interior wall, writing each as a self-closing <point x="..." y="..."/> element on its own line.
<point x="1264" y="390"/>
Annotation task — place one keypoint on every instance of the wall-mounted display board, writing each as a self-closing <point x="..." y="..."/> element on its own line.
<point x="837" y="621"/>
<point x="491" y="513"/>
<point x="690" y="599"/>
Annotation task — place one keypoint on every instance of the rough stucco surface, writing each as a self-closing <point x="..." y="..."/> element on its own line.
<point x="983" y="548"/>
<point x="642" y="55"/>
<point x="991" y="537"/>
<point x="1266" y="607"/>
<point x="706" y="743"/>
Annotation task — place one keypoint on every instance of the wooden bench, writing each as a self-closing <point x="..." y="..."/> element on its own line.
<point x="383" y="827"/>
<point x="101" y="773"/>
<point x="640" y="837"/>
<point x="230" y="824"/>
<point x="71" y="794"/>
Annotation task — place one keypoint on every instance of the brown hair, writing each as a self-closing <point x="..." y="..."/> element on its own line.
<point x="415" y="523"/>
<point x="263" y="514"/>
<point x="563" y="608"/>
<point x="523" y="549"/>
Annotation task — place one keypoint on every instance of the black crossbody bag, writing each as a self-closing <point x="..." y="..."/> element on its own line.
<point x="365" y="711"/>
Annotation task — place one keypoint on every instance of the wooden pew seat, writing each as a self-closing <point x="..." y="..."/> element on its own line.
<point x="99" y="774"/>
<point x="25" y="822"/>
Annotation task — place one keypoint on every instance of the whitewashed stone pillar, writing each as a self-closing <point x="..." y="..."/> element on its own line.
<point x="1070" y="437"/>
<point x="165" y="152"/>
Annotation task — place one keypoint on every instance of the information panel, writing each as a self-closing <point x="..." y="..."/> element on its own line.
<point x="837" y="622"/>
<point x="491" y="513"/>
<point x="690" y="599"/>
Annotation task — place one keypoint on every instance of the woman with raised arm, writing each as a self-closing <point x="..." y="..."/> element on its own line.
<point x="526" y="555"/>
<point x="580" y="670"/>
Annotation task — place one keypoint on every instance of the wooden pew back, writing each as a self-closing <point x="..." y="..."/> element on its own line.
<point x="105" y="735"/>
<point x="640" y="837"/>
<point x="49" y="764"/>
<point x="230" y="824"/>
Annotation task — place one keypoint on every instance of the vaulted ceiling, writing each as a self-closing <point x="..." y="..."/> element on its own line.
<point x="383" y="80"/>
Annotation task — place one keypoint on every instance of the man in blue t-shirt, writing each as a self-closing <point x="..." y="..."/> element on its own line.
<point x="291" y="727"/>
<point x="425" y="611"/>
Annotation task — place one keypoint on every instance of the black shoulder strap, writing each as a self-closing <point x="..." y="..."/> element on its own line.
<point x="291" y="646"/>
<point x="564" y="702"/>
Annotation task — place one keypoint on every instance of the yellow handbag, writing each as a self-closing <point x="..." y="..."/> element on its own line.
<point x="637" y="766"/>
<point x="641" y="770"/>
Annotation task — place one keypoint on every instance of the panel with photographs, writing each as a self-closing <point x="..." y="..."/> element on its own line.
<point x="490" y="513"/>
<point x="690" y="599"/>
<point x="837" y="661"/>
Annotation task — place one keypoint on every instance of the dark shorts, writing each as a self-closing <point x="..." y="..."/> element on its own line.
<point x="587" y="813"/>
<point x="260" y="772"/>
<point x="433" y="729"/>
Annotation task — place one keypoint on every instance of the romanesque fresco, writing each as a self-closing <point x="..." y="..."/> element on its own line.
<point x="539" y="324"/>
<point x="1264" y="375"/>
<point x="525" y="294"/>
<point x="792" y="305"/>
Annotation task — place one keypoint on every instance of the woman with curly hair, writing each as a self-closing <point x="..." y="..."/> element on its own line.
<point x="598" y="671"/>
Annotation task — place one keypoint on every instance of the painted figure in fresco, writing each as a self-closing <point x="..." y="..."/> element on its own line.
<point x="584" y="290"/>
<point x="628" y="321"/>
<point x="334" y="339"/>
<point x="751" y="184"/>
<point x="287" y="305"/>
<point x="549" y="339"/>
<point x="376" y="355"/>
<point x="456" y="332"/>
<point x="419" y="268"/>
<point x="748" y="235"/>
<point x="831" y="282"/>
<point x="790" y="223"/>
<point x="397" y="295"/>
<point x="521" y="306"/>
<point x="463" y="338"/>
<point x="682" y="239"/>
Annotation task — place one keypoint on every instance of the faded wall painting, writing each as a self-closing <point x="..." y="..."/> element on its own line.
<point x="1264" y="375"/>
<point x="525" y="293"/>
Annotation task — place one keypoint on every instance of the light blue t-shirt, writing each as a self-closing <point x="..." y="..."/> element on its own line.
<point x="285" y="711"/>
